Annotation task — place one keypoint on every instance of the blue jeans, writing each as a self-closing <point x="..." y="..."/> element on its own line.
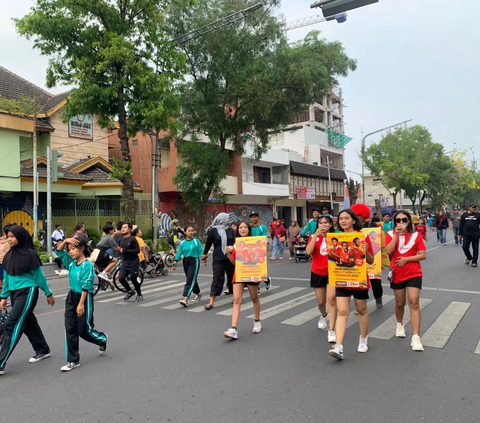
<point x="277" y="246"/>
<point x="455" y="235"/>
<point x="443" y="236"/>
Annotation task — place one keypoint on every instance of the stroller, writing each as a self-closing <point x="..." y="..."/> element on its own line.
<point x="156" y="265"/>
<point x="300" y="250"/>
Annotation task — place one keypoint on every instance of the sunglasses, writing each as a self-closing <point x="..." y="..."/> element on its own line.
<point x="402" y="220"/>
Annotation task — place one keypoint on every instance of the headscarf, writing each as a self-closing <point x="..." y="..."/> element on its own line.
<point x="220" y="224"/>
<point x="22" y="258"/>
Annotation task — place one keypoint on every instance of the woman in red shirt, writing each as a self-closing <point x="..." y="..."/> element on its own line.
<point x="422" y="229"/>
<point x="349" y="222"/>
<point x="407" y="249"/>
<point x="317" y="248"/>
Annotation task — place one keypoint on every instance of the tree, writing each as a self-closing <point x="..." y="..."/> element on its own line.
<point x="407" y="159"/>
<point x="118" y="56"/>
<point x="246" y="81"/>
<point x="353" y="190"/>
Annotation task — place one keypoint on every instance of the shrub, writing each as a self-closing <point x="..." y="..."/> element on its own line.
<point x="94" y="235"/>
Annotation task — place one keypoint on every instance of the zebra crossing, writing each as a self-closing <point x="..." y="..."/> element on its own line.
<point x="284" y="299"/>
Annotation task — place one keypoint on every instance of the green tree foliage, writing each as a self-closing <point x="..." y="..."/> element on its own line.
<point x="119" y="57"/>
<point x="407" y="159"/>
<point x="465" y="186"/>
<point x="246" y="80"/>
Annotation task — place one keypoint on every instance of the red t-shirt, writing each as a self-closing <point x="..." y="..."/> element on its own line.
<point x="320" y="256"/>
<point x="408" y="245"/>
<point x="358" y="255"/>
<point x="422" y="230"/>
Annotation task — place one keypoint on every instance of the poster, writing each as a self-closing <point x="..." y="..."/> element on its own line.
<point x="385" y="256"/>
<point x="251" y="259"/>
<point x="374" y="270"/>
<point x="347" y="267"/>
<point x="305" y="193"/>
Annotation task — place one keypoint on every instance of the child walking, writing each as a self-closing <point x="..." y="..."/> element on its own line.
<point x="79" y="301"/>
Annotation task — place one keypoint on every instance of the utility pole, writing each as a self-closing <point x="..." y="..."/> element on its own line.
<point x="49" y="201"/>
<point x="35" y="176"/>
<point x="155" y="166"/>
<point x="330" y="185"/>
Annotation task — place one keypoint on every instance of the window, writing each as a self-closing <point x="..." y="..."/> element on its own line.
<point x="261" y="175"/>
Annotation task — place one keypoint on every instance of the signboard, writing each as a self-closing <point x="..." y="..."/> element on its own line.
<point x="305" y="193"/>
<point x="81" y="126"/>
<point x="251" y="259"/>
<point x="347" y="266"/>
<point x="374" y="270"/>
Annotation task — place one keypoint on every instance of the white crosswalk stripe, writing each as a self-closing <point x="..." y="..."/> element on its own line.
<point x="442" y="329"/>
<point x="273" y="311"/>
<point x="477" y="350"/>
<point x="387" y="329"/>
<point x="371" y="307"/>
<point x="176" y="297"/>
<point x="144" y="291"/>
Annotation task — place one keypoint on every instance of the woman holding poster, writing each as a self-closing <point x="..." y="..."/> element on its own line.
<point x="317" y="248"/>
<point x="351" y="225"/>
<point x="407" y="249"/>
<point x="251" y="255"/>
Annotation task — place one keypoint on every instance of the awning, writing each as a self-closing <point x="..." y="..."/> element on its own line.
<point x="299" y="168"/>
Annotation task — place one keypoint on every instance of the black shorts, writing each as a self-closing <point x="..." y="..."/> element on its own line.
<point x="318" y="281"/>
<point x="412" y="283"/>
<point x="358" y="294"/>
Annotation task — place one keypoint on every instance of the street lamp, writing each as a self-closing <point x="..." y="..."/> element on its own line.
<point x="363" y="150"/>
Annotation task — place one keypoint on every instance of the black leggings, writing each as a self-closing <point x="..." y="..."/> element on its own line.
<point x="219" y="269"/>
<point x="377" y="288"/>
<point x="131" y="270"/>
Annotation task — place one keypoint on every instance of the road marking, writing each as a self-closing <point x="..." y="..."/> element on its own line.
<point x="477" y="350"/>
<point x="227" y="301"/>
<point x="177" y="297"/>
<point x="439" y="246"/>
<point x="441" y="330"/>
<point x="302" y="318"/>
<point x="387" y="329"/>
<point x="371" y="307"/>
<point x="265" y="300"/>
<point x="163" y="288"/>
<point x="273" y="311"/>
<point x="50" y="312"/>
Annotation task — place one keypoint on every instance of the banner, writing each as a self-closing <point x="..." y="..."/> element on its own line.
<point x="305" y="193"/>
<point x="251" y="259"/>
<point x="374" y="270"/>
<point x="347" y="267"/>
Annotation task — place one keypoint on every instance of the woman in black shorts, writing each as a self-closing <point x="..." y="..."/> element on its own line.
<point x="349" y="222"/>
<point x="243" y="229"/>
<point x="407" y="249"/>
<point x="317" y="249"/>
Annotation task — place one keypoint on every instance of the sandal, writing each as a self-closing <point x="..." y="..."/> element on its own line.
<point x="208" y="307"/>
<point x="467" y="261"/>
<point x="474" y="265"/>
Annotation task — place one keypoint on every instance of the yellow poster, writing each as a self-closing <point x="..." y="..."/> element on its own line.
<point x="251" y="259"/>
<point x="374" y="270"/>
<point x="347" y="267"/>
<point x="385" y="256"/>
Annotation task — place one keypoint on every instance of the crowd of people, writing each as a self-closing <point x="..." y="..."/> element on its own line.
<point x="21" y="276"/>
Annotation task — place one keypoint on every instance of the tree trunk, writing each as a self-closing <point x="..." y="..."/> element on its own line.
<point x="422" y="198"/>
<point x="395" y="200"/>
<point x="413" y="203"/>
<point x="353" y="189"/>
<point x="127" y="178"/>
<point x="378" y="209"/>
<point x="201" y="220"/>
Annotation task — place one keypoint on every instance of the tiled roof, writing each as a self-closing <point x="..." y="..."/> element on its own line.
<point x="74" y="165"/>
<point x="98" y="175"/>
<point x="42" y="173"/>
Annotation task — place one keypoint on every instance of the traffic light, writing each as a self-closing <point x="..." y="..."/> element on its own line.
<point x="334" y="7"/>
<point x="56" y="165"/>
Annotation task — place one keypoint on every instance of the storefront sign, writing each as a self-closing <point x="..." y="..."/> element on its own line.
<point x="81" y="126"/>
<point x="305" y="193"/>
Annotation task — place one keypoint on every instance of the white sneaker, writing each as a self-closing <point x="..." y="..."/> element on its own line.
<point x="337" y="352"/>
<point x="400" y="332"/>
<point x="231" y="333"/>
<point x="332" y="337"/>
<point x="322" y="322"/>
<point x="257" y="327"/>
<point x="363" y="345"/>
<point x="139" y="279"/>
<point x="63" y="272"/>
<point x="103" y="275"/>
<point x="416" y="343"/>
<point x="69" y="366"/>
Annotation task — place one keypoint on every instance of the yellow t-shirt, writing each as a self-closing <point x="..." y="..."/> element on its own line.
<point x="415" y="219"/>
<point x="141" y="243"/>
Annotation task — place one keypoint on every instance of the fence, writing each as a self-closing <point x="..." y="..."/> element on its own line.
<point x="95" y="211"/>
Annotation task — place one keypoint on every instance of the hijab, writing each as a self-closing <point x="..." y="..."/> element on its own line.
<point x="22" y="258"/>
<point x="220" y="224"/>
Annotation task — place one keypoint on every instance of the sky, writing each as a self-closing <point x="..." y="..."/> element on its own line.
<point x="417" y="59"/>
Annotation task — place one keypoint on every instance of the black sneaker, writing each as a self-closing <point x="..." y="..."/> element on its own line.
<point x="379" y="302"/>
<point x="268" y="283"/>
<point x="139" y="298"/>
<point x="129" y="295"/>
<point x="39" y="357"/>
<point x="103" y="348"/>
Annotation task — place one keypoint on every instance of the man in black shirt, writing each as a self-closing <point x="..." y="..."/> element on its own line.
<point x="129" y="250"/>
<point x="470" y="233"/>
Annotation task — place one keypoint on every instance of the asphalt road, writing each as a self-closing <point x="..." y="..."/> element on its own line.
<point x="165" y="363"/>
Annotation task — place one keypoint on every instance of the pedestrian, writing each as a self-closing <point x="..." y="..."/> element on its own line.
<point x="142" y="255"/>
<point x="272" y="226"/>
<point x="311" y="225"/>
<point x="57" y="235"/>
<point x="117" y="236"/>
<point x="173" y="233"/>
<point x="106" y="258"/>
<point x="387" y="223"/>
<point x="335" y="224"/>
<point x="407" y="249"/>
<point x="469" y="234"/>
<point x="243" y="230"/>
<point x="23" y="277"/>
<point x="350" y="223"/>
<point x="80" y="233"/>
<point x="317" y="249"/>
<point x="220" y="236"/>
<point x="441" y="225"/>
<point x="259" y="230"/>
<point x="415" y="219"/>
<point x="363" y="212"/>
<point x="79" y="301"/>
<point x="191" y="249"/>
<point x="422" y="229"/>
<point x="129" y="250"/>
<point x="4" y="249"/>
<point x="279" y="240"/>
<point x="292" y="237"/>
<point x="455" y="225"/>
